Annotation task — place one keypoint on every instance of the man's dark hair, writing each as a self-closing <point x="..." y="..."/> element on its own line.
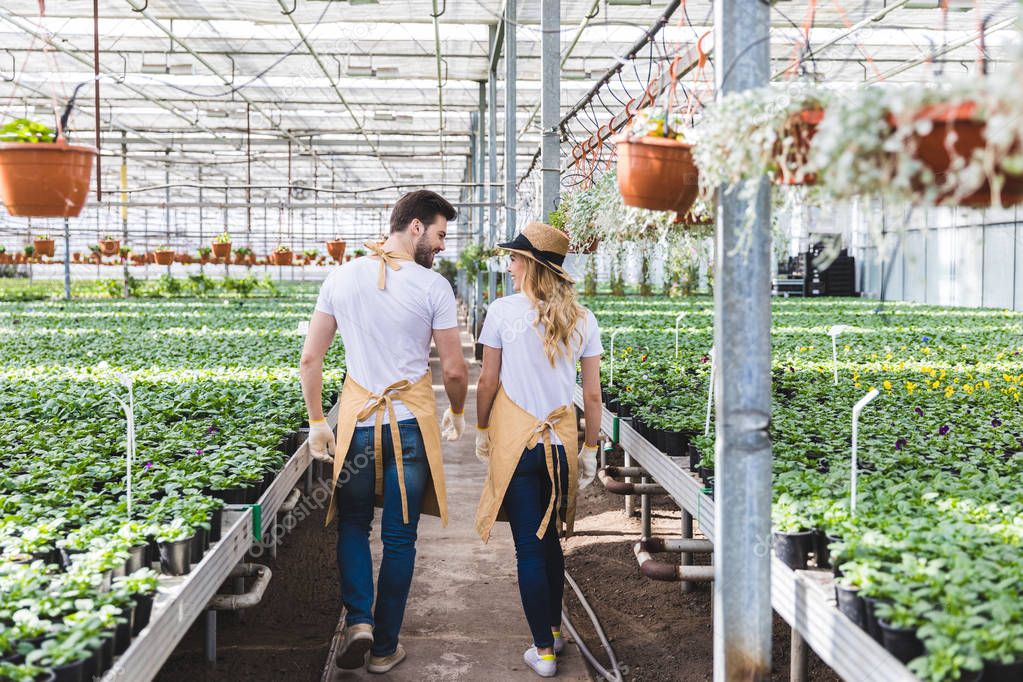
<point x="422" y="204"/>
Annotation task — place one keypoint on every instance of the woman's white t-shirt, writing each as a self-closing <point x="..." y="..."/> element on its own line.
<point x="526" y="373"/>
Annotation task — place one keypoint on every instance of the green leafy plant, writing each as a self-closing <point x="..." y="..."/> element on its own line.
<point x="25" y="130"/>
<point x="222" y="238"/>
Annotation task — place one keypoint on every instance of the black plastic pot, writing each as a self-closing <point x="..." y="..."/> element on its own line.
<point x="122" y="634"/>
<point x="821" y="549"/>
<point x="176" y="557"/>
<point x="136" y="558"/>
<point x="216" y="521"/>
<point x="902" y="643"/>
<point x="1001" y="672"/>
<point x="851" y="604"/>
<point x="106" y="654"/>
<point x="793" y="548"/>
<point x="675" y="443"/>
<point x="613" y="405"/>
<point x="624" y="411"/>
<point x="198" y="545"/>
<point x="873" y="624"/>
<point x="143" y="610"/>
<point x="662" y="440"/>
<point x="694" y="457"/>
<point x="72" y="672"/>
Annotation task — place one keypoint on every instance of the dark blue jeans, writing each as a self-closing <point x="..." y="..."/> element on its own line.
<point x="541" y="564"/>
<point x="355" y="516"/>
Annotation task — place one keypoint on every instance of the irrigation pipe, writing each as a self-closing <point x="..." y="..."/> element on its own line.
<point x="615" y="674"/>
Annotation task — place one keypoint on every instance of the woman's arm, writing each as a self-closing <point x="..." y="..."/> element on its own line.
<point x="591" y="399"/>
<point x="486" y="388"/>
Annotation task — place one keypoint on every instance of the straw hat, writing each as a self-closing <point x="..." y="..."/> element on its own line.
<point x="544" y="244"/>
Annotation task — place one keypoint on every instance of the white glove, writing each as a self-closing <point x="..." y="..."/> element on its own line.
<point x="482" y="444"/>
<point x="452" y="425"/>
<point x="321" y="441"/>
<point x="587" y="465"/>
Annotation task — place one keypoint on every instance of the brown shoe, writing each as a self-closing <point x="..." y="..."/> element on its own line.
<point x="358" y="640"/>
<point x="383" y="664"/>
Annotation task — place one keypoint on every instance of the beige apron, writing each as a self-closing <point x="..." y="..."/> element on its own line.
<point x="513" y="430"/>
<point x="359" y="403"/>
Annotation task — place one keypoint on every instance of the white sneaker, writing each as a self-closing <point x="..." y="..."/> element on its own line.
<point x="545" y="665"/>
<point x="559" y="641"/>
<point x="357" y="641"/>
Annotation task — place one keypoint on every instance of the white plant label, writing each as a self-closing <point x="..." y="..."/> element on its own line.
<point x="857" y="409"/>
<point x="710" y="394"/>
<point x="678" y="320"/>
<point x="303" y="327"/>
<point x="834" y="333"/>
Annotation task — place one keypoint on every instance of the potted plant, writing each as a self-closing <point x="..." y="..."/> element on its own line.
<point x="5" y="258"/>
<point x="310" y="255"/>
<point x="282" y="255"/>
<point x="43" y="245"/>
<point x="30" y="252"/>
<point x="655" y="167"/>
<point x="163" y="254"/>
<point x="124" y="251"/>
<point x="41" y="175"/>
<point x="244" y="256"/>
<point x="336" y="249"/>
<point x="76" y="257"/>
<point x="109" y="245"/>
<point x="222" y="245"/>
<point x="204" y="254"/>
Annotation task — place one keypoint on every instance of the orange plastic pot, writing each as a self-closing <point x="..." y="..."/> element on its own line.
<point x="44" y="180"/>
<point x="110" y="246"/>
<point x="657" y="173"/>
<point x="282" y="257"/>
<point x="336" y="249"/>
<point x="801" y="126"/>
<point x="956" y="132"/>
<point x="44" y="247"/>
<point x="163" y="257"/>
<point x="221" y="249"/>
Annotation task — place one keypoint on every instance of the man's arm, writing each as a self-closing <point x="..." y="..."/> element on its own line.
<point x="453" y="367"/>
<point x="322" y="328"/>
<point x="486" y="388"/>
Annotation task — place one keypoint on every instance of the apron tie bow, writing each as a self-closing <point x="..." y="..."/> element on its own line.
<point x="378" y="403"/>
<point x="388" y="259"/>
<point x="543" y="429"/>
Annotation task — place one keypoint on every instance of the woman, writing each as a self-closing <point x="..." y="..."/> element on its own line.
<point x="532" y="342"/>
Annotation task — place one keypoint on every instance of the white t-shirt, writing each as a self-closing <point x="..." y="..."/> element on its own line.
<point x="387" y="333"/>
<point x="526" y="373"/>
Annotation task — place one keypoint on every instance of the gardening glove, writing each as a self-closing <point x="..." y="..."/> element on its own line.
<point x="483" y="444"/>
<point x="321" y="441"/>
<point x="587" y="465"/>
<point x="452" y="425"/>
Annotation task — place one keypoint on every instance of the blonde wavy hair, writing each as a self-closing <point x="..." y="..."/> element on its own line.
<point x="557" y="311"/>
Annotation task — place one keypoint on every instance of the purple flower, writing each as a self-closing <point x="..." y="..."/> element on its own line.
<point x="926" y="339"/>
<point x="945" y="428"/>
<point x="212" y="429"/>
<point x="147" y="466"/>
<point x="704" y="360"/>
<point x="792" y="369"/>
<point x="901" y="443"/>
<point x="919" y="411"/>
<point x="996" y="422"/>
<point x="199" y="452"/>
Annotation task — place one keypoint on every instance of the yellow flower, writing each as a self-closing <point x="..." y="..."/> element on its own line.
<point x="987" y="384"/>
<point x="887" y="385"/>
<point x="802" y="349"/>
<point x="968" y="388"/>
<point x="848" y="348"/>
<point x="926" y="370"/>
<point x="942" y="374"/>
<point x="910" y="387"/>
<point x="949" y="390"/>
<point x="888" y="356"/>
<point x="926" y="350"/>
<point x="872" y="388"/>
<point x="936" y="384"/>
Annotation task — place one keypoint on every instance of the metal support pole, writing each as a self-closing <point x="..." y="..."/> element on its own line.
<point x="202" y="242"/>
<point x="797" y="658"/>
<point x="248" y="175"/>
<point x="510" y="126"/>
<point x="124" y="206"/>
<point x="211" y="636"/>
<point x="167" y="211"/>
<point x="742" y="348"/>
<point x="67" y="260"/>
<point x="550" y="104"/>
<point x="687" y="557"/>
<point x="630" y="500"/>
<point x="481" y="180"/>
<point x="644" y="510"/>
<point x="95" y="98"/>
<point x="492" y="163"/>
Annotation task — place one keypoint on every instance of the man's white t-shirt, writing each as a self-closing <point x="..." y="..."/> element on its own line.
<point x="387" y="333"/>
<point x="526" y="373"/>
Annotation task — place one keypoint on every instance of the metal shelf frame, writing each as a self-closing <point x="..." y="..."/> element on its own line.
<point x="804" y="599"/>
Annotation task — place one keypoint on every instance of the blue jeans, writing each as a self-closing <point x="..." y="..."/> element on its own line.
<point x="541" y="565"/>
<point x="355" y="516"/>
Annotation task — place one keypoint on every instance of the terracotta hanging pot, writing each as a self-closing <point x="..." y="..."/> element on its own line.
<point x="44" y="247"/>
<point x="221" y="249"/>
<point x="282" y="257"/>
<point x="163" y="257"/>
<point x="45" y="180"/>
<point x="588" y="247"/>
<point x="336" y="249"/>
<point x="656" y="173"/>
<point x="956" y="132"/>
<point x="801" y="127"/>
<point x="110" y="246"/>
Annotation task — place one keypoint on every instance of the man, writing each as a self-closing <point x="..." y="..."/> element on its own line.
<point x="387" y="306"/>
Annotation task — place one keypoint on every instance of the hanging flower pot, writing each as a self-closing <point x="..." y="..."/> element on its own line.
<point x="590" y="246"/>
<point x="336" y="249"/>
<point x="792" y="151"/>
<point x="222" y="249"/>
<point x="656" y="173"/>
<point x="44" y="246"/>
<point x="110" y="246"/>
<point x="955" y="134"/>
<point x="45" y="180"/>
<point x="163" y="256"/>
<point x="282" y="256"/>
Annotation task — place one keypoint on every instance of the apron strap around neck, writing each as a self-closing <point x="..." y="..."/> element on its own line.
<point x="388" y="259"/>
